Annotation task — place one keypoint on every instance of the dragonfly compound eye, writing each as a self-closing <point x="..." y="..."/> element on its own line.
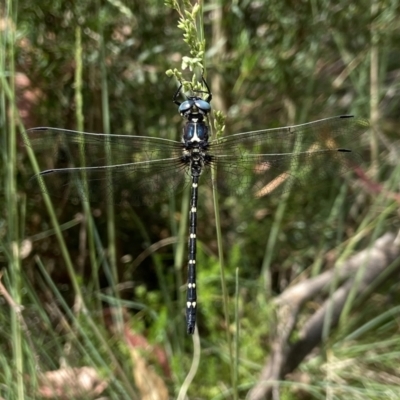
<point x="185" y="106"/>
<point x="203" y="105"/>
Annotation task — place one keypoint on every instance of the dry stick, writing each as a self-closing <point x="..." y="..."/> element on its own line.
<point x="284" y="358"/>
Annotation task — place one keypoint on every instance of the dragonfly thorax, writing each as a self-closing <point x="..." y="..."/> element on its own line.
<point x="195" y="132"/>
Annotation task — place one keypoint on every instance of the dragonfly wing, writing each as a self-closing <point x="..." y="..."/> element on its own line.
<point x="328" y="133"/>
<point x="97" y="167"/>
<point x="276" y="160"/>
<point x="263" y="174"/>
<point x="81" y="149"/>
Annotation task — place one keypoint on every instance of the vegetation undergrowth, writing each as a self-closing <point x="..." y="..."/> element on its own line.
<point x="98" y="291"/>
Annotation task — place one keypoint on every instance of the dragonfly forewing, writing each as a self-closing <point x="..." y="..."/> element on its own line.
<point x="98" y="168"/>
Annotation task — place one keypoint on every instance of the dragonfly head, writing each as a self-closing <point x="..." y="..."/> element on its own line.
<point x="194" y="108"/>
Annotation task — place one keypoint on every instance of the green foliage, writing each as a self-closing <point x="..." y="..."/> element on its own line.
<point x="269" y="64"/>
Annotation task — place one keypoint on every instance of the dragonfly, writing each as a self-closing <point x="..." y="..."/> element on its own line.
<point x="141" y="170"/>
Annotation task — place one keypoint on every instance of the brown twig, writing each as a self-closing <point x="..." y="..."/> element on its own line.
<point x="362" y="273"/>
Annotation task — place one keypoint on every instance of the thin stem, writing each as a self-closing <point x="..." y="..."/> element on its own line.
<point x="80" y="127"/>
<point x="237" y="331"/>
<point x="111" y="250"/>
<point x="11" y="198"/>
<point x="222" y="274"/>
<point x="180" y="251"/>
<point x="374" y="89"/>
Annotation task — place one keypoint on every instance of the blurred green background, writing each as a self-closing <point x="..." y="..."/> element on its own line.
<point x="105" y="288"/>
